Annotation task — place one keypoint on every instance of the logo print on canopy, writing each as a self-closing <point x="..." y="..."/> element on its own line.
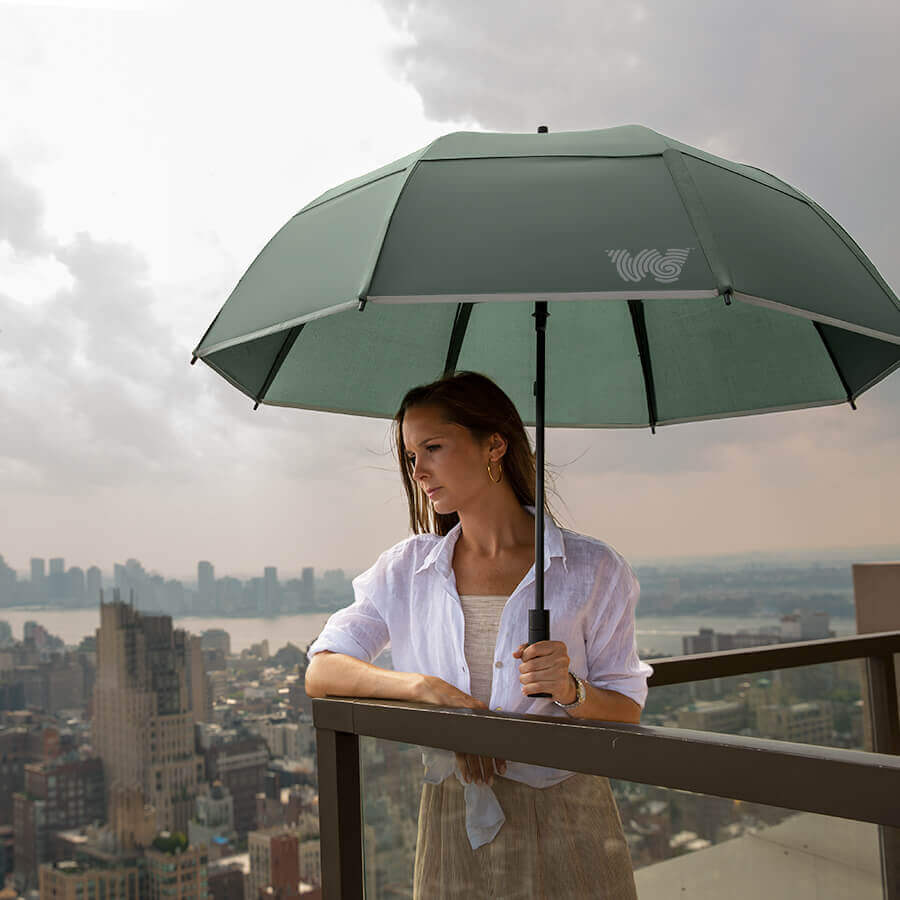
<point x="664" y="268"/>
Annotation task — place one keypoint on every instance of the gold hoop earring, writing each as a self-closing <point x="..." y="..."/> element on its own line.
<point x="491" y="476"/>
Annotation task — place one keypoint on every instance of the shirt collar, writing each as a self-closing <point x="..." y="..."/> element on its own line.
<point x="441" y="554"/>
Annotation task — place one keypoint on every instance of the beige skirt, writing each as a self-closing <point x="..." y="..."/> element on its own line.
<point x="564" y="841"/>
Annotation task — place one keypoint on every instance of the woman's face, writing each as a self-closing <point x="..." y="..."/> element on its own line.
<point x="449" y="462"/>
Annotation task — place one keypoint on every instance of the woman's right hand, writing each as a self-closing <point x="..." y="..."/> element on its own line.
<point x="473" y="767"/>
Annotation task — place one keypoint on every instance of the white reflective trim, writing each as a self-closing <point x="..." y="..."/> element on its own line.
<point x="635" y="294"/>
<point x="818" y="317"/>
<point x="274" y="329"/>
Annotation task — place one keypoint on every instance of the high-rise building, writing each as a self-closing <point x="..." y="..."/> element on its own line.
<point x="143" y="727"/>
<point x="206" y="586"/>
<point x="241" y="766"/>
<point x="76" y="585"/>
<point x="94" y="585"/>
<point x="216" y="639"/>
<point x="201" y="696"/>
<point x="309" y="587"/>
<point x="38" y="572"/>
<point x="271" y="591"/>
<point x="57" y="583"/>
<point x="75" y="880"/>
<point x="59" y="793"/>
<point x="176" y="871"/>
<point x="274" y="862"/>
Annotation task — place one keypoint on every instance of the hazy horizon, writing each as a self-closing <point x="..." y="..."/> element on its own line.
<point x="889" y="553"/>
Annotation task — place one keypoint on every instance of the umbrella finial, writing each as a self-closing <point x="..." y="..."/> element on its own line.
<point x="542" y="129"/>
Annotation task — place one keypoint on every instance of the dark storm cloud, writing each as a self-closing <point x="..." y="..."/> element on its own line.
<point x="807" y="90"/>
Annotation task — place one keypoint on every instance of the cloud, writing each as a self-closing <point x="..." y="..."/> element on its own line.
<point x="21" y="214"/>
<point x="800" y="89"/>
<point x="97" y="390"/>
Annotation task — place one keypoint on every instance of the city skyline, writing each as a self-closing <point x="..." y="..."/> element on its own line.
<point x="786" y="556"/>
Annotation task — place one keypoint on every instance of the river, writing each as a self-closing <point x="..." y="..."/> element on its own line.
<point x="658" y="634"/>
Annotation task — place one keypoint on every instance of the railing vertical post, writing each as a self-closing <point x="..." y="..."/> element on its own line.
<point x="885" y="719"/>
<point x="340" y="814"/>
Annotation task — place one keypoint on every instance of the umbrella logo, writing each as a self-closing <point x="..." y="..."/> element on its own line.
<point x="665" y="268"/>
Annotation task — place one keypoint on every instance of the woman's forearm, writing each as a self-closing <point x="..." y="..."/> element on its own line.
<point x="341" y="675"/>
<point x="608" y="706"/>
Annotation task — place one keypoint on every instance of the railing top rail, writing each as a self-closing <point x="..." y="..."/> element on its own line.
<point x="862" y="786"/>
<point x="769" y="657"/>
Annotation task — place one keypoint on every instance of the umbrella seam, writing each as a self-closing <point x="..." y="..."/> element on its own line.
<point x="315" y="204"/>
<point x="372" y="267"/>
<point x="696" y="212"/>
<point x="796" y="195"/>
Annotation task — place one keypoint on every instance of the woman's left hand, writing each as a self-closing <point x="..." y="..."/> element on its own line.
<point x="545" y="668"/>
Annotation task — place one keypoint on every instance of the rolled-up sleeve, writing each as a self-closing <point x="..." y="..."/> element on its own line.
<point x="359" y="629"/>
<point x="611" y="645"/>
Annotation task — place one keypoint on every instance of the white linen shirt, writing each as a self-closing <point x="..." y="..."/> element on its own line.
<point x="408" y="598"/>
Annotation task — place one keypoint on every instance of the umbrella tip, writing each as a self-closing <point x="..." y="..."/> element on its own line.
<point x="542" y="129"/>
<point x="193" y="360"/>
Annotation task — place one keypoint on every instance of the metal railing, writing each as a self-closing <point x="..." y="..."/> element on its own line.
<point x="864" y="786"/>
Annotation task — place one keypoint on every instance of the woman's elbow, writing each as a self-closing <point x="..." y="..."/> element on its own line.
<point x="310" y="683"/>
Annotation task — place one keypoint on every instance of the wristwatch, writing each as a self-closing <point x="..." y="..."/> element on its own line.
<point x="580" y="693"/>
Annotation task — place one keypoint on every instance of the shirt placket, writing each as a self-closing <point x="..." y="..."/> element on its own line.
<point x="501" y="684"/>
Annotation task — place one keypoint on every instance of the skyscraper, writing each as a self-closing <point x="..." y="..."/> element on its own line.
<point x="94" y="584"/>
<point x="206" y="586"/>
<point x="143" y="726"/>
<point x="309" y="587"/>
<point x="271" y="591"/>
<point x="38" y="572"/>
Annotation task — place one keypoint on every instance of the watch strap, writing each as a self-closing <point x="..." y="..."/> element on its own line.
<point x="580" y="693"/>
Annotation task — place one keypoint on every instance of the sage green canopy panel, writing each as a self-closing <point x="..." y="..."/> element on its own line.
<point x="681" y="286"/>
<point x="534" y="228"/>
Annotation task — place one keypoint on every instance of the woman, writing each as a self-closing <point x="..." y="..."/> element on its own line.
<point x="453" y="602"/>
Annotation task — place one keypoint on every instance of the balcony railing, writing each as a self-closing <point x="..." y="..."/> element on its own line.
<point x="862" y="786"/>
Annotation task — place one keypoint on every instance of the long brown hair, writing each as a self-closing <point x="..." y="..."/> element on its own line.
<point x="474" y="401"/>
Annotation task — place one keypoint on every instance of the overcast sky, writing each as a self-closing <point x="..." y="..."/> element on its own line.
<point x="149" y="150"/>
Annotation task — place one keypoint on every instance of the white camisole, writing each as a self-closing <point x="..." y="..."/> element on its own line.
<point x="481" y="613"/>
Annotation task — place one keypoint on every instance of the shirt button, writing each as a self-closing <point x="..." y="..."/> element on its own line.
<point x="498" y="664"/>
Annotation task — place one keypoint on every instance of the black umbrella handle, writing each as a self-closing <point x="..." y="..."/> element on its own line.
<point x="538" y="630"/>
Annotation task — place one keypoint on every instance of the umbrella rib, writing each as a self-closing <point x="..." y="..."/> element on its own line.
<point x="283" y="351"/>
<point x="460" y="323"/>
<point x="636" y="308"/>
<point x="834" y="362"/>
<point x="696" y="212"/>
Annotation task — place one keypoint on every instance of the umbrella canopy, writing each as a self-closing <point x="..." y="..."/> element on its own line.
<point x="681" y="286"/>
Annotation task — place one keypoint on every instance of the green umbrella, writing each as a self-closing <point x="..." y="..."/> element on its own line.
<point x="681" y="287"/>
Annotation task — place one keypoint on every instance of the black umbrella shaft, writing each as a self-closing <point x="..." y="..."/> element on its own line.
<point x="540" y="327"/>
<point x="539" y="618"/>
